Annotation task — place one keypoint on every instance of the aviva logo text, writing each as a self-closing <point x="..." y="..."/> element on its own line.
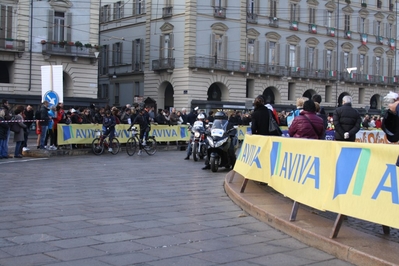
<point x="352" y="165"/>
<point x="249" y="155"/>
<point x="296" y="167"/>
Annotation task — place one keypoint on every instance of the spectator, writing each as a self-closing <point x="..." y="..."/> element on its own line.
<point x="44" y="122"/>
<point x="3" y="135"/>
<point x="126" y="117"/>
<point x="86" y="117"/>
<point x="317" y="99"/>
<point x="75" y="117"/>
<point x="378" y="122"/>
<point x="210" y="117"/>
<point x="322" y="116"/>
<point x="372" y="122"/>
<point x="346" y="121"/>
<point x="295" y="113"/>
<point x="307" y="124"/>
<point x="92" y="112"/>
<point x="160" y="118"/>
<point x="246" y="119"/>
<point x="366" y="122"/>
<point x="260" y="117"/>
<point x="7" y="116"/>
<point x="184" y="115"/>
<point x="192" y="116"/>
<point x="180" y="119"/>
<point x="28" y="115"/>
<point x="173" y="117"/>
<point x="19" y="136"/>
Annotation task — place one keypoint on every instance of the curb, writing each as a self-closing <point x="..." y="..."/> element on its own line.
<point x="351" y="245"/>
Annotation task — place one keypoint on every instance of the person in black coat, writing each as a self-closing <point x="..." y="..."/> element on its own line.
<point x="260" y="117"/>
<point x="346" y="121"/>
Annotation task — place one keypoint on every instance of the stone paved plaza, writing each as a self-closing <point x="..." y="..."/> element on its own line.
<point x="140" y="210"/>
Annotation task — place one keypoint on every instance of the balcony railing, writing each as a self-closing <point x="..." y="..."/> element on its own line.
<point x="210" y="63"/>
<point x="163" y="64"/>
<point x="273" y="22"/>
<point x="12" y="45"/>
<point x="252" y="18"/>
<point x="68" y="50"/>
<point x="219" y="12"/>
<point x="167" y="12"/>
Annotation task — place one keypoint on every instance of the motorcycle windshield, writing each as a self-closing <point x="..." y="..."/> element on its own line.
<point x="219" y="127"/>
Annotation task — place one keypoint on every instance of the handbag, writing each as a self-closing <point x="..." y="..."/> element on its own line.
<point x="15" y="127"/>
<point x="274" y="129"/>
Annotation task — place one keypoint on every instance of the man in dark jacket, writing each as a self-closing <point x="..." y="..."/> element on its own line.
<point x="346" y="121"/>
<point x="260" y="117"/>
<point x="44" y="121"/>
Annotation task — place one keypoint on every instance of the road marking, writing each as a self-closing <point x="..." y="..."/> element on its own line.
<point x="7" y="161"/>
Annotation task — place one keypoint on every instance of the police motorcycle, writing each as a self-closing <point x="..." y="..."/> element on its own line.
<point x="222" y="143"/>
<point x="198" y="144"/>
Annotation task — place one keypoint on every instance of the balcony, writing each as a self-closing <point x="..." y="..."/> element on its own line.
<point x="379" y="40"/>
<point x="167" y="12"/>
<point x="273" y="22"/>
<point x="331" y="32"/>
<point x="49" y="49"/>
<point x="312" y="28"/>
<point x="348" y="34"/>
<point x="294" y="25"/>
<point x="252" y="18"/>
<point x="163" y="64"/>
<point x="219" y="12"/>
<point x="11" y="45"/>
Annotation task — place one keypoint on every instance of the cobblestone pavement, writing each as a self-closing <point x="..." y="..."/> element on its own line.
<point x="140" y="210"/>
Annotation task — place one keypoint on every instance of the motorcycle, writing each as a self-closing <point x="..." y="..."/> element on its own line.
<point x="198" y="144"/>
<point x="219" y="141"/>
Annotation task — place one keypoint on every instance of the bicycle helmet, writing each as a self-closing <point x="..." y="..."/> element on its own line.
<point x="220" y="115"/>
<point x="200" y="116"/>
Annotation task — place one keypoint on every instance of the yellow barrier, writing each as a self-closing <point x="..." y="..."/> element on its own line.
<point x="85" y="133"/>
<point x="354" y="179"/>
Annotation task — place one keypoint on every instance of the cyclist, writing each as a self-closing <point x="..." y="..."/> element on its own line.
<point x="143" y="119"/>
<point x="109" y="123"/>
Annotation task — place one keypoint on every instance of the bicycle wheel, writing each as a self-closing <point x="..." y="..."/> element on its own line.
<point x="151" y="147"/>
<point x="97" y="146"/>
<point x="115" y="146"/>
<point x="131" y="146"/>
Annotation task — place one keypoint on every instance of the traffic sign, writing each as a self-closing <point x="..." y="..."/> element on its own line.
<point x="52" y="98"/>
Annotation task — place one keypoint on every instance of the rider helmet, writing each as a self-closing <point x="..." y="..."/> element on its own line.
<point x="220" y="115"/>
<point x="200" y="116"/>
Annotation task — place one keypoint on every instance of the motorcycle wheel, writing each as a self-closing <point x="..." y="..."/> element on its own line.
<point x="195" y="151"/>
<point x="214" y="164"/>
<point x="203" y="151"/>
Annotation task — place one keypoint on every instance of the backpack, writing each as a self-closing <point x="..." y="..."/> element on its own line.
<point x="291" y="116"/>
<point x="390" y="125"/>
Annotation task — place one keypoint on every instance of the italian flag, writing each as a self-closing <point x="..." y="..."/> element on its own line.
<point x="332" y="73"/>
<point x="382" y="78"/>
<point x="368" y="77"/>
<point x="296" y="69"/>
<point x="394" y="79"/>
<point x="351" y="75"/>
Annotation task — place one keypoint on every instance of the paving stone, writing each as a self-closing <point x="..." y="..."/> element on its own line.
<point x="75" y="253"/>
<point x="30" y="260"/>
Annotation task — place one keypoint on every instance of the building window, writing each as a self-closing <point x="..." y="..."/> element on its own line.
<point x="138" y="7"/>
<point x="329" y="17"/>
<point x="361" y="63"/>
<point x="137" y="89"/>
<point x="294" y="13"/>
<point x="378" y="66"/>
<point x="6" y="21"/>
<point x="166" y="46"/>
<point x="117" y="53"/>
<point x="312" y="15"/>
<point x="362" y="25"/>
<point x="389" y="30"/>
<point x="292" y="56"/>
<point x="346" y="60"/>
<point x="118" y="10"/>
<point x="251" y="50"/>
<point x="273" y="9"/>
<point x="378" y="28"/>
<point x="272" y="53"/>
<point x="104" y="60"/>
<point x="116" y="93"/>
<point x="311" y="57"/>
<point x="219" y="46"/>
<point x="329" y="60"/>
<point x="347" y="23"/>
<point x="105" y="13"/>
<point x="137" y="59"/>
<point x="59" y="26"/>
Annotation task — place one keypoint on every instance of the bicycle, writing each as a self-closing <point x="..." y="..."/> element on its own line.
<point x="150" y="146"/>
<point x="100" y="142"/>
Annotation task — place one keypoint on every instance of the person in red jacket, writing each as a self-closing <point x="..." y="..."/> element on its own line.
<point x="307" y="124"/>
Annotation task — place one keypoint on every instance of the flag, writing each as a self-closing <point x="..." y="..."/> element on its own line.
<point x="368" y="77"/>
<point x="364" y="38"/>
<point x="332" y="73"/>
<point x="294" y="25"/>
<point x="352" y="75"/>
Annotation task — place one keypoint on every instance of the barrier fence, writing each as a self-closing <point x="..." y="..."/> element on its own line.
<point x="354" y="179"/>
<point x="85" y="133"/>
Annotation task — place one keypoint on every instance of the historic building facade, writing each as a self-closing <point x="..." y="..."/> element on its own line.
<point x="38" y="33"/>
<point x="222" y="53"/>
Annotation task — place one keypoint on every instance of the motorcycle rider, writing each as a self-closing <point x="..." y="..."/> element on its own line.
<point x="222" y="116"/>
<point x="201" y="125"/>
